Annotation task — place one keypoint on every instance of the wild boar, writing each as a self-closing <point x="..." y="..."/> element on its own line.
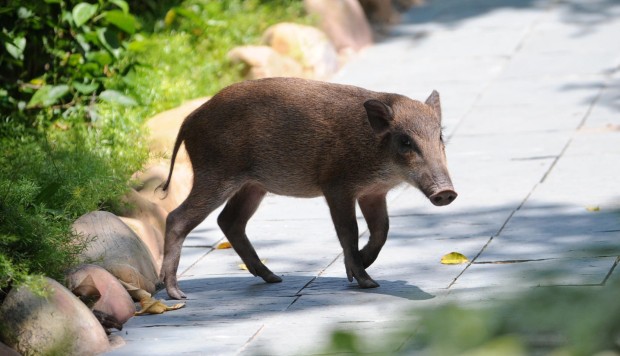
<point x="305" y="138"/>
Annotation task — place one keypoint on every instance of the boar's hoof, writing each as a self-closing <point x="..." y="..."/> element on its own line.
<point x="367" y="283"/>
<point x="271" y="278"/>
<point x="174" y="292"/>
<point x="443" y="197"/>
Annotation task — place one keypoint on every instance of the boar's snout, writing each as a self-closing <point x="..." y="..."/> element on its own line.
<point x="443" y="197"/>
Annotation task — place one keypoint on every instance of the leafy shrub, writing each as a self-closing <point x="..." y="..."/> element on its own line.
<point x="78" y="79"/>
<point x="59" y="55"/>
<point x="46" y="182"/>
<point x="540" y="321"/>
<point x="61" y="159"/>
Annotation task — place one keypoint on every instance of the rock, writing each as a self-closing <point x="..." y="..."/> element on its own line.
<point x="58" y="324"/>
<point x="116" y="341"/>
<point x="264" y="62"/>
<point x="86" y="280"/>
<point x="307" y="45"/>
<point x="148" y="221"/>
<point x="117" y="249"/>
<point x="343" y="21"/>
<point x="144" y="210"/>
<point x="7" y="351"/>
<point x="152" y="238"/>
<point x="163" y="128"/>
<point x="154" y="175"/>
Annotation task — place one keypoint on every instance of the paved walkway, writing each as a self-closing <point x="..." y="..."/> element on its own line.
<point x="531" y="99"/>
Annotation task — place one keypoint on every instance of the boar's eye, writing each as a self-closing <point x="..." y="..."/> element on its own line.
<point x="406" y="143"/>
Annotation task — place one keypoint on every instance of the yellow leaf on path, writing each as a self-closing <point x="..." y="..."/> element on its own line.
<point x="593" y="208"/>
<point x="245" y="268"/>
<point x="223" y="245"/>
<point x="154" y="306"/>
<point x="454" y="258"/>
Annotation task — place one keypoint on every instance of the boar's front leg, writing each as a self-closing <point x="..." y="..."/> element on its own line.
<point x="342" y="209"/>
<point x="233" y="220"/>
<point x="374" y="208"/>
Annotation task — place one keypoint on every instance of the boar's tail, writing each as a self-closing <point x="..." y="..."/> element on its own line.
<point x="177" y="145"/>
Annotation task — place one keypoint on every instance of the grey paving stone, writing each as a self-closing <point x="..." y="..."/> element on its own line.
<point x="222" y="338"/>
<point x="557" y="220"/>
<point x="551" y="272"/>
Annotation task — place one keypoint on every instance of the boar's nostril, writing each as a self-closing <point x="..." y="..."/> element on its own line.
<point x="444" y="197"/>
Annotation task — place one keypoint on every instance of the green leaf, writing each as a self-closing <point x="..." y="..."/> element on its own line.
<point x="116" y="97"/>
<point x="100" y="57"/>
<point x="138" y="46"/>
<point x="83" y="12"/>
<point x="345" y="341"/>
<point x="81" y="39"/>
<point x="24" y="13"/>
<point x="16" y="47"/>
<point x="122" y="4"/>
<point x="48" y="95"/>
<point x="75" y="59"/>
<point x="125" y="22"/>
<point x="188" y="14"/>
<point x="85" y="88"/>
<point x="108" y="40"/>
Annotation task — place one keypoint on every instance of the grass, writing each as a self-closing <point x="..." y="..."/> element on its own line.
<point x="185" y="55"/>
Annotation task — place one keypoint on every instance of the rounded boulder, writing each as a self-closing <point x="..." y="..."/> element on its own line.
<point x="94" y="281"/>
<point x="305" y="44"/>
<point x="115" y="247"/>
<point x="55" y="323"/>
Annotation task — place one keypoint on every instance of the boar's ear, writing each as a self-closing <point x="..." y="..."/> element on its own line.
<point x="434" y="103"/>
<point x="379" y="115"/>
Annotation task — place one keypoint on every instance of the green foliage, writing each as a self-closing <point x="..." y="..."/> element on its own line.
<point x="78" y="79"/>
<point x="60" y="55"/>
<point x="184" y="56"/>
<point x="46" y="182"/>
<point x="542" y="321"/>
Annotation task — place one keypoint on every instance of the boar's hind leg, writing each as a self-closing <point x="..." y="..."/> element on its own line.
<point x="233" y="221"/>
<point x="374" y="208"/>
<point x="342" y="209"/>
<point x="202" y="200"/>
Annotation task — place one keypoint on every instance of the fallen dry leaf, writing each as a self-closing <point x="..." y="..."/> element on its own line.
<point x="154" y="306"/>
<point x="454" y="258"/>
<point x="135" y="292"/>
<point x="223" y="245"/>
<point x="245" y="268"/>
